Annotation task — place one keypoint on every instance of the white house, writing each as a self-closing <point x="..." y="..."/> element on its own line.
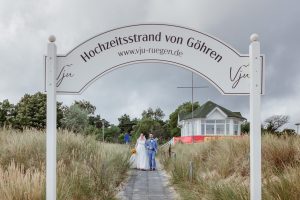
<point x="211" y="119"/>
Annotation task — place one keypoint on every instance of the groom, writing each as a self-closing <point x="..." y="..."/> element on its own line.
<point x="151" y="145"/>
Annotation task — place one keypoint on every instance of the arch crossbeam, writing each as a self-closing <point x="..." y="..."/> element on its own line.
<point x="207" y="56"/>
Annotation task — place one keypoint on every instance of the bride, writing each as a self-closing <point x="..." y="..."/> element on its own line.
<point x="142" y="160"/>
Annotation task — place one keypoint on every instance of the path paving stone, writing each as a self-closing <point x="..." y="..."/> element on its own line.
<point x="147" y="185"/>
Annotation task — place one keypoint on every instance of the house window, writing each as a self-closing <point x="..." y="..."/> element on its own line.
<point x="227" y="129"/>
<point x="196" y="129"/>
<point x="190" y="129"/>
<point x="235" y="127"/>
<point x="220" y="129"/>
<point x="202" y="129"/>
<point x="210" y="129"/>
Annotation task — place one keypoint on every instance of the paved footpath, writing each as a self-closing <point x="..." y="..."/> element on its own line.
<point x="147" y="185"/>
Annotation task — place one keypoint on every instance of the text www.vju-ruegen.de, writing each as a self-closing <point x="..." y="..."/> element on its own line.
<point x="159" y="51"/>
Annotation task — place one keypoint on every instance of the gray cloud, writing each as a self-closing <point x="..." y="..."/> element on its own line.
<point x="26" y="25"/>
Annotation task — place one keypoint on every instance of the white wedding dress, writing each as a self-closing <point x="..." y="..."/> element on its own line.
<point x="141" y="158"/>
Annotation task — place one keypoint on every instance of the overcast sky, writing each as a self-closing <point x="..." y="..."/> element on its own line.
<point x="26" y="25"/>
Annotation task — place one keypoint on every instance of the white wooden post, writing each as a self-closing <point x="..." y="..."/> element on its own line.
<point x="51" y="120"/>
<point x="255" y="123"/>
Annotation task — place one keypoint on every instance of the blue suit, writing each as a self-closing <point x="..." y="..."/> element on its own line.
<point x="127" y="138"/>
<point x="151" y="146"/>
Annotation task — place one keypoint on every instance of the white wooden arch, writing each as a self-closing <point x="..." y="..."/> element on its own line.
<point x="231" y="72"/>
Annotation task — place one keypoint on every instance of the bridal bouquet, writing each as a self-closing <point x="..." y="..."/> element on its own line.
<point x="132" y="159"/>
<point x="133" y="151"/>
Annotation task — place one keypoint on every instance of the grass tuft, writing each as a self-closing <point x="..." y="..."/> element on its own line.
<point x="221" y="168"/>
<point x="86" y="168"/>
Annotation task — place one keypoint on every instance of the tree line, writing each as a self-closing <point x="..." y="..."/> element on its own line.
<point x="272" y="125"/>
<point x="80" y="117"/>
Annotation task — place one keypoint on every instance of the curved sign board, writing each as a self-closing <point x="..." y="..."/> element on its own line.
<point x="201" y="53"/>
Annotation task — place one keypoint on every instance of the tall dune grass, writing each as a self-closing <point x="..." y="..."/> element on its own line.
<point x="86" y="168"/>
<point x="221" y="169"/>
